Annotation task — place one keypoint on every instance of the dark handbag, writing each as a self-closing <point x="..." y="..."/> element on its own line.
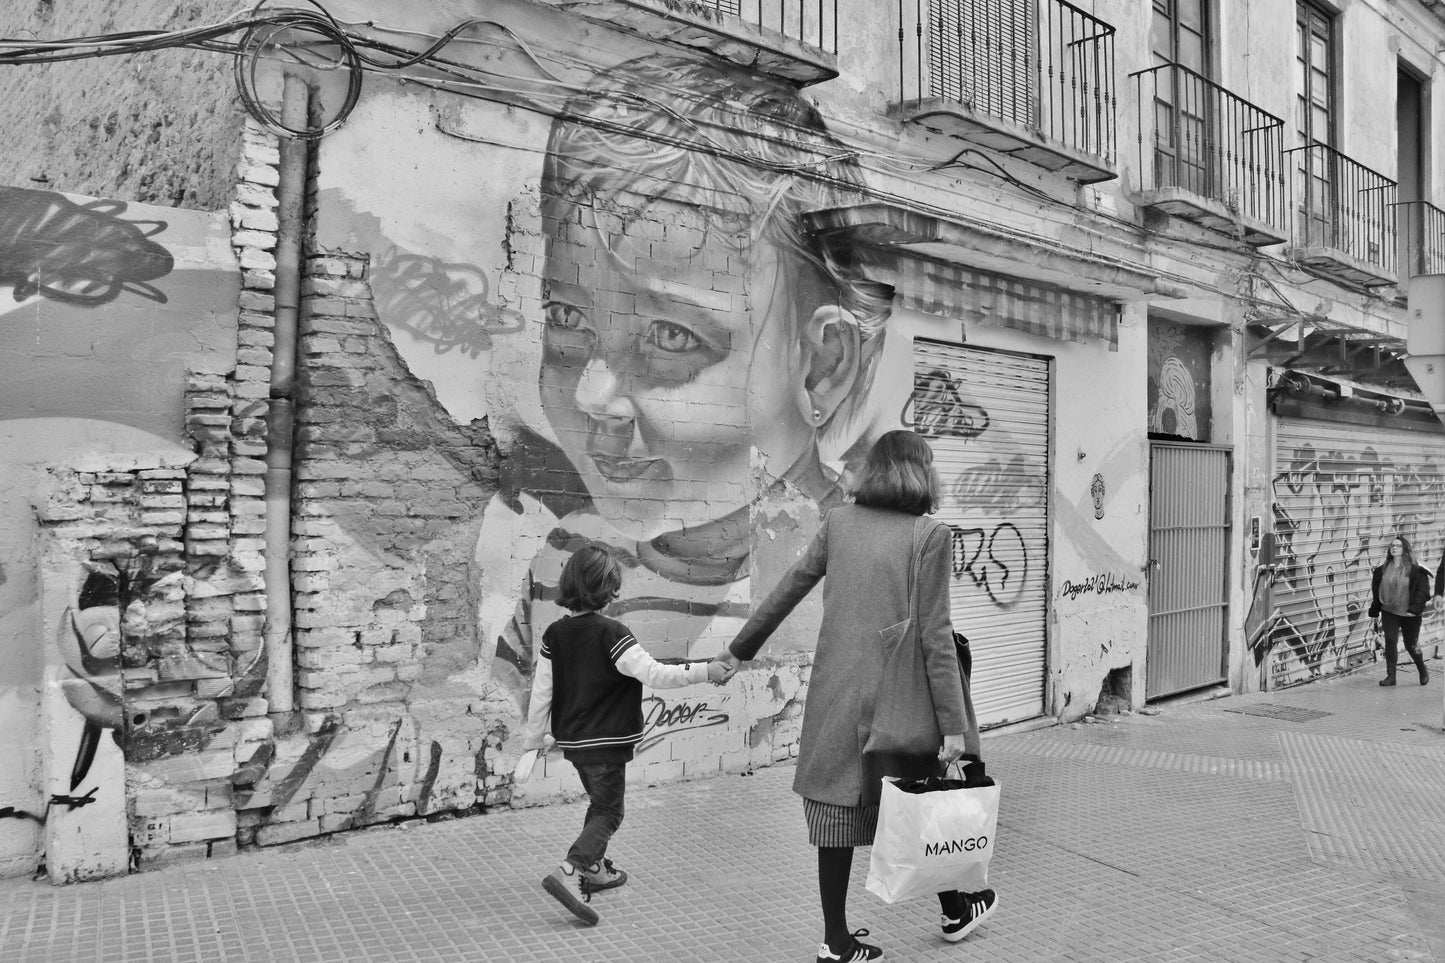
<point x="904" y="721"/>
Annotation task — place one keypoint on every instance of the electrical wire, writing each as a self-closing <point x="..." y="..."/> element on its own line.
<point x="338" y="46"/>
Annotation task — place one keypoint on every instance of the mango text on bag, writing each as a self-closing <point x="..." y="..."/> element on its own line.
<point x="955" y="846"/>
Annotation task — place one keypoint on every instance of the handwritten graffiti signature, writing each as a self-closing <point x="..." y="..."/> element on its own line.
<point x="1103" y="583"/>
<point x="661" y="720"/>
<point x="936" y="408"/>
<point x="1003" y="571"/>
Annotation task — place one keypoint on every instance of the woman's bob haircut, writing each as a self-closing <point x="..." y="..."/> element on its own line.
<point x="590" y="580"/>
<point x="898" y="474"/>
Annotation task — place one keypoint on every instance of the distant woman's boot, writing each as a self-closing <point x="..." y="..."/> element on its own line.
<point x="1391" y="654"/>
<point x="1419" y="658"/>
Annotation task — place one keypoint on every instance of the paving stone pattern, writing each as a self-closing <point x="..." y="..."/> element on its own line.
<point x="1198" y="834"/>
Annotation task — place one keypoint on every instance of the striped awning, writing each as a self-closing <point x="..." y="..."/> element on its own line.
<point x="992" y="274"/>
<point x="974" y="296"/>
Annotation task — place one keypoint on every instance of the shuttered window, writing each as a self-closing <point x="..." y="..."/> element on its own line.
<point x="986" y="417"/>
<point x="1340" y="494"/>
<point x="981" y="53"/>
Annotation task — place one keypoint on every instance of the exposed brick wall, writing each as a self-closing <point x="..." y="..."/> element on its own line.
<point x="159" y="539"/>
<point x="162" y="128"/>
<point x="196" y="719"/>
<point x="386" y="503"/>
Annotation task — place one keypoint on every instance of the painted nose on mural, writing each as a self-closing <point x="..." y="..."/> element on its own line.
<point x="612" y="438"/>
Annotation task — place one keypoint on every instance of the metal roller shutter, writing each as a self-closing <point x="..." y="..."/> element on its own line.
<point x="986" y="417"/>
<point x="1340" y="494"/>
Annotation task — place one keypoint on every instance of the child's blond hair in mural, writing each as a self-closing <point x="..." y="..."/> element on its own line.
<point x="750" y="155"/>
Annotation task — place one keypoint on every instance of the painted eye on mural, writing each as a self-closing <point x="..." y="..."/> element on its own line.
<point x="559" y="315"/>
<point x="673" y="338"/>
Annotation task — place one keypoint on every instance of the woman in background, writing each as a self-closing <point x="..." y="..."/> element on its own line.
<point x="1400" y="592"/>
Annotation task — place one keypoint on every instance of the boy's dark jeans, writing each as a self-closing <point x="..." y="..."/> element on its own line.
<point x="605" y="783"/>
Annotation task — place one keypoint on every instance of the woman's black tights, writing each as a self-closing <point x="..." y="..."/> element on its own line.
<point x="835" y="865"/>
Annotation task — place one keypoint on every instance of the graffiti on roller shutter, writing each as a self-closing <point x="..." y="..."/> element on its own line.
<point x="989" y="551"/>
<point x="997" y="561"/>
<point x="1334" y="513"/>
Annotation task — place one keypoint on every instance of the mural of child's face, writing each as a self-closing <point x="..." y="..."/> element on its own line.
<point x="668" y="355"/>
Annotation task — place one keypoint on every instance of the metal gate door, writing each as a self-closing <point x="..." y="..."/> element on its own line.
<point x="1188" y="556"/>
<point x="986" y="417"/>
<point x="1341" y="492"/>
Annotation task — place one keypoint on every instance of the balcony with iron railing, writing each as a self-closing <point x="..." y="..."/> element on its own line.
<point x="1344" y="215"/>
<point x="1421" y="244"/>
<point x="1209" y="156"/>
<point x="796" y="40"/>
<point x="1033" y="79"/>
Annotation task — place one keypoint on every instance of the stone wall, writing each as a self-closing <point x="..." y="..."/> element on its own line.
<point x="159" y="128"/>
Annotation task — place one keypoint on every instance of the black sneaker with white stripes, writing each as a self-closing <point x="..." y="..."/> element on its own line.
<point x="850" y="954"/>
<point x="977" y="907"/>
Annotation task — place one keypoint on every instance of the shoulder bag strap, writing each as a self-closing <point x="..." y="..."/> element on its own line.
<point x="915" y="567"/>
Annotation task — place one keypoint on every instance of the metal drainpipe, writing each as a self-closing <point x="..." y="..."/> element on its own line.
<point x="291" y="198"/>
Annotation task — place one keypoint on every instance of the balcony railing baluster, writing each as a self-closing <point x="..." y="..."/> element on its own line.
<point x="1421" y="238"/>
<point x="1044" y="65"/>
<point x="1217" y="146"/>
<point x="787" y="17"/>
<point x="1345" y="207"/>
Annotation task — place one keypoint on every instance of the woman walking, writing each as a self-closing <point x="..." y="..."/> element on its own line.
<point x="866" y="551"/>
<point x="1400" y="591"/>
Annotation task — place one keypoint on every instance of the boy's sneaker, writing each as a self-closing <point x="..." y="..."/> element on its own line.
<point x="977" y="907"/>
<point x="602" y="875"/>
<point x="858" y="951"/>
<point x="558" y="885"/>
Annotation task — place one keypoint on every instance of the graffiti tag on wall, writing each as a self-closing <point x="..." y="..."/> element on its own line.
<point x="661" y="720"/>
<point x="77" y="253"/>
<point x="1334" y="512"/>
<point x="1101" y="583"/>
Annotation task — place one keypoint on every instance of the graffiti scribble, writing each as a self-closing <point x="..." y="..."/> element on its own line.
<point x="445" y="304"/>
<point x="1003" y="571"/>
<point x="1332" y="509"/>
<point x="936" y="408"/>
<point x="77" y="253"/>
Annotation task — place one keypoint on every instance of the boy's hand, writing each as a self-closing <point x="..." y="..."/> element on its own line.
<point x="718" y="672"/>
<point x="729" y="663"/>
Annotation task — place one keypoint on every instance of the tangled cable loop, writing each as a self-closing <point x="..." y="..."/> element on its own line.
<point x="311" y="40"/>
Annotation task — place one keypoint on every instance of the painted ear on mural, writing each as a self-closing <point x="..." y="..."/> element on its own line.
<point x="830" y="352"/>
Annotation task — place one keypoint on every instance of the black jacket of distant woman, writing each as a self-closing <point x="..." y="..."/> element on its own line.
<point x="1419" y="591"/>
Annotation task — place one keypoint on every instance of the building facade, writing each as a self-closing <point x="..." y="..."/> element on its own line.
<point x="380" y="314"/>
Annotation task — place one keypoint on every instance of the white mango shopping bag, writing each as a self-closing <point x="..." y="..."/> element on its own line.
<point x="933" y="841"/>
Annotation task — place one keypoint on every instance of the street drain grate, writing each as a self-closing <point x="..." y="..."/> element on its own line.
<point x="1287" y="713"/>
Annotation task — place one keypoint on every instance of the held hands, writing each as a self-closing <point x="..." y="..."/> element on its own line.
<point x="722" y="668"/>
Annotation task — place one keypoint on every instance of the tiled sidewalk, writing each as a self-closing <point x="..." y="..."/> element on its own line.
<point x="1203" y="833"/>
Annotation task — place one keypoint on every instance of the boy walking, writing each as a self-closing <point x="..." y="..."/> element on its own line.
<point x="588" y="686"/>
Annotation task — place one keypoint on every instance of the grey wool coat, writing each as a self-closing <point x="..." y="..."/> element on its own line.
<point x="865" y="554"/>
